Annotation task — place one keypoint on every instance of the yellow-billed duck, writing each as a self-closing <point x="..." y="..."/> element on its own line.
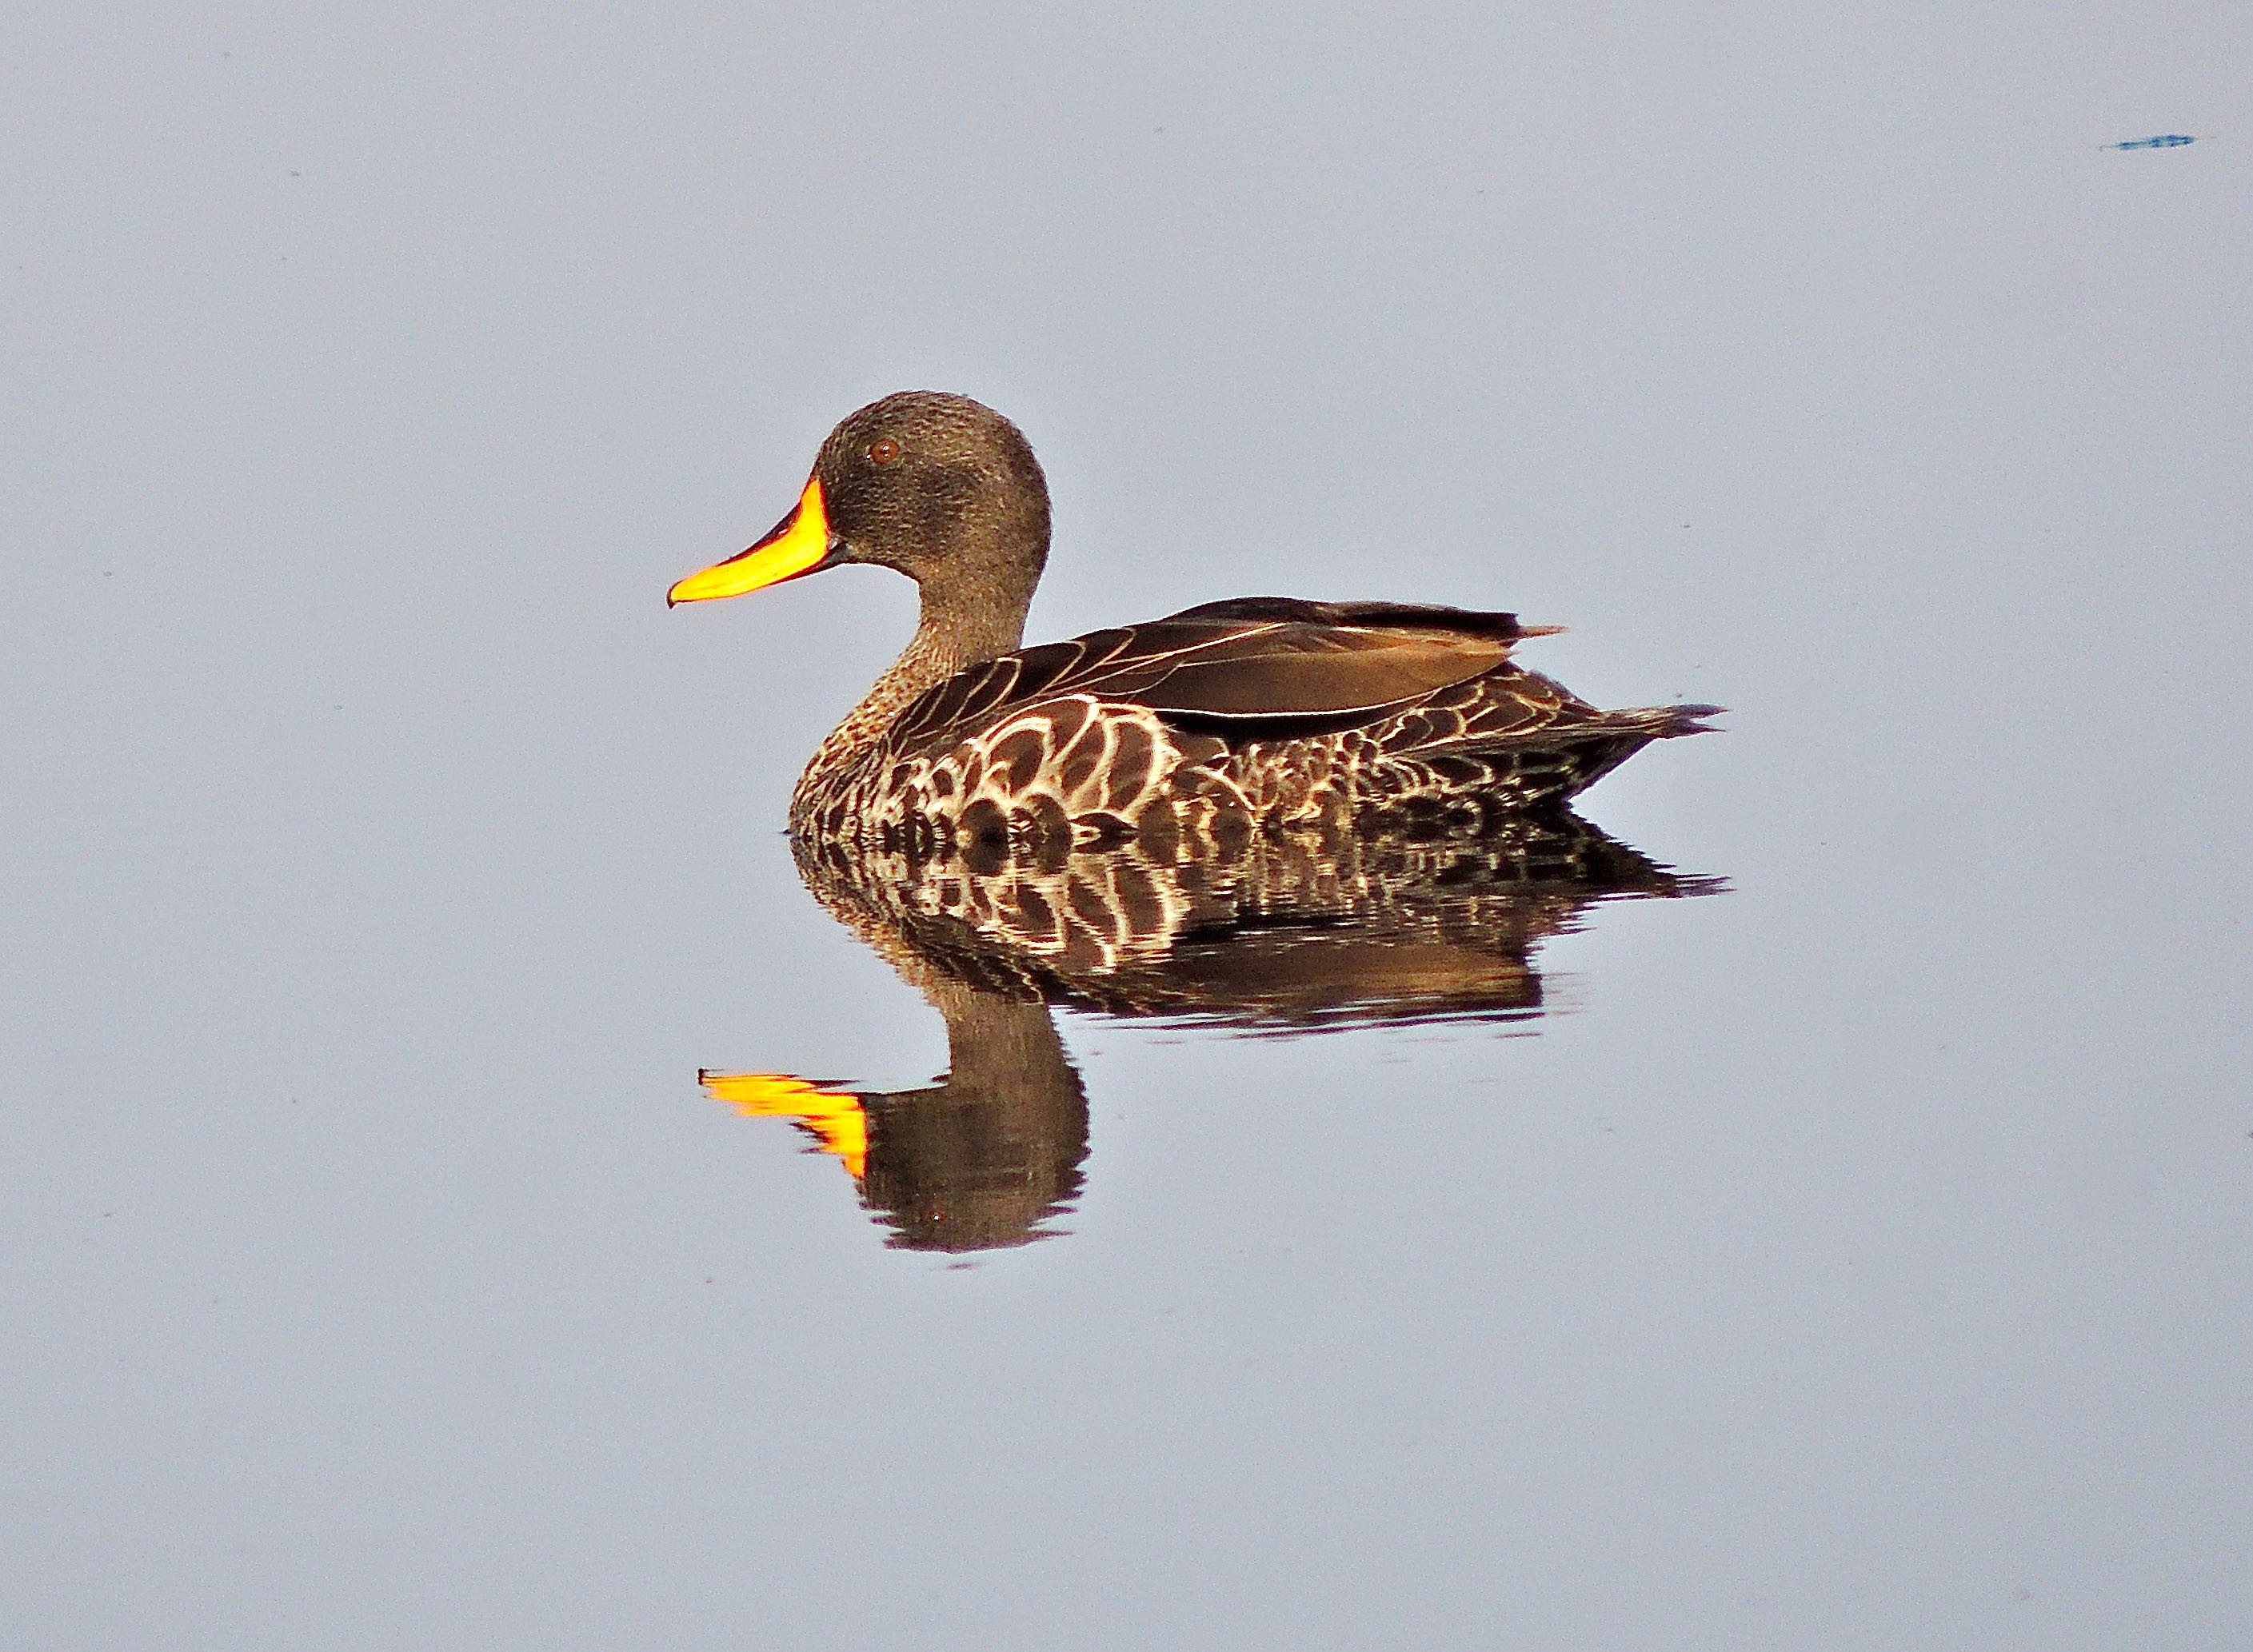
<point x="1256" y="713"/>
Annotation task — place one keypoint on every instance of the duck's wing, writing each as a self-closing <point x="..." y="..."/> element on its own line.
<point x="1256" y="664"/>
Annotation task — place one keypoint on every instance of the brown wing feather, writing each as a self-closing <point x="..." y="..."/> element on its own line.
<point x="1261" y="660"/>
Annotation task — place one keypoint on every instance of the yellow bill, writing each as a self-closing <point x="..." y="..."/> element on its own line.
<point x="798" y="544"/>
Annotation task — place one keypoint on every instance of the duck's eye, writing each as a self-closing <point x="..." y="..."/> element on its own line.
<point x="884" y="450"/>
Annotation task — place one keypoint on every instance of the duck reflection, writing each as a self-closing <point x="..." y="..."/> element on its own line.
<point x="1283" y="935"/>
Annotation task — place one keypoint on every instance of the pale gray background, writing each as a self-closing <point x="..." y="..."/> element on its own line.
<point x="1863" y="1264"/>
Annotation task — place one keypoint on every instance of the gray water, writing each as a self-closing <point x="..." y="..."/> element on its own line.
<point x="1856" y="1257"/>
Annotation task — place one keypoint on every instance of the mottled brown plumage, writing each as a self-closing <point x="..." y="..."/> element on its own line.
<point x="1257" y="714"/>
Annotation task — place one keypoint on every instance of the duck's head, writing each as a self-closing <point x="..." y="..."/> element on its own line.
<point x="940" y="487"/>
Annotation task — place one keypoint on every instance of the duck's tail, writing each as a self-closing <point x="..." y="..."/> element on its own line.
<point x="1594" y="748"/>
<point x="1665" y="723"/>
<point x="1559" y="763"/>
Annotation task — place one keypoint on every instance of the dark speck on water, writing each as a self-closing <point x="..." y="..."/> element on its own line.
<point x="2164" y="141"/>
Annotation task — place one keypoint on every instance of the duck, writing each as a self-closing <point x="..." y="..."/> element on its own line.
<point x="1196" y="730"/>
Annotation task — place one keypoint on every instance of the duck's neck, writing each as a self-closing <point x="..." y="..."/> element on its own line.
<point x="957" y="630"/>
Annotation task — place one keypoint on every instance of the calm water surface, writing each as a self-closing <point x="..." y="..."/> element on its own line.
<point x="1851" y="1256"/>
